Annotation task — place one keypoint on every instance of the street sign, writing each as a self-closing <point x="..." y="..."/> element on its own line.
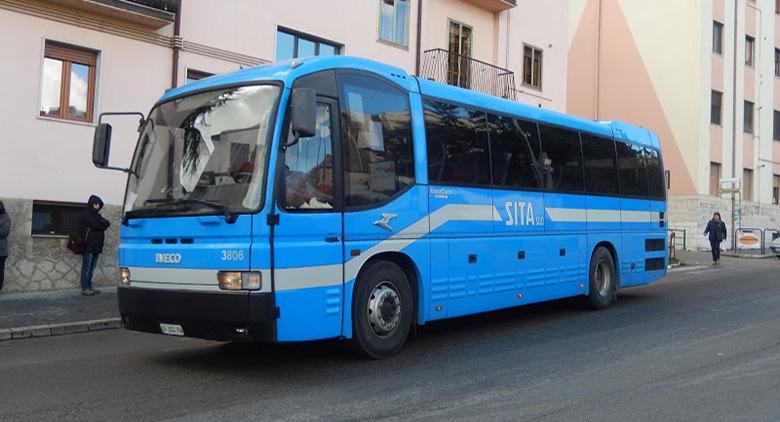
<point x="729" y="190"/>
<point x="729" y="180"/>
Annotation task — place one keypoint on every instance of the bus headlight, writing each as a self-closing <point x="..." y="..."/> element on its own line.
<point x="240" y="280"/>
<point x="124" y="276"/>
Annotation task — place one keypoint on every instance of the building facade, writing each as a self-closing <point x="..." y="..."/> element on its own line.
<point x="75" y="59"/>
<point x="703" y="74"/>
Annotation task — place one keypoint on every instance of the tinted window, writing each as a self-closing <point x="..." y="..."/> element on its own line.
<point x="457" y="144"/>
<point x="633" y="176"/>
<point x="378" y="149"/>
<point x="514" y="146"/>
<point x="601" y="174"/>
<point x="656" y="183"/>
<point x="562" y="158"/>
<point x="308" y="168"/>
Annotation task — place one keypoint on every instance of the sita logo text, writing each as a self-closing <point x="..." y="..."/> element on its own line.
<point x="521" y="214"/>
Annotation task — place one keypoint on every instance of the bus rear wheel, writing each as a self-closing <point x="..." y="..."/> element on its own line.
<point x="381" y="310"/>
<point x="602" y="279"/>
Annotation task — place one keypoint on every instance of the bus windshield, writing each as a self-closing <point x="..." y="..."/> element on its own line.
<point x="203" y="154"/>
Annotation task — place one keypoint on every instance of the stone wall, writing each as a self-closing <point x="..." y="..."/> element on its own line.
<point x="44" y="263"/>
<point x="692" y="212"/>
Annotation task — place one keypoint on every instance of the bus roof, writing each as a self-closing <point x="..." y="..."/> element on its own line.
<point x="290" y="70"/>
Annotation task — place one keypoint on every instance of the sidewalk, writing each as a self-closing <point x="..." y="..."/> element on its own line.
<point x="41" y="314"/>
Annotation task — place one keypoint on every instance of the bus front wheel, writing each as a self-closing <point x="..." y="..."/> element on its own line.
<point x="381" y="310"/>
<point x="602" y="279"/>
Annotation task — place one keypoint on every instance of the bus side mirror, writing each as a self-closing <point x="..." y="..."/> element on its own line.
<point x="303" y="106"/>
<point x="101" y="144"/>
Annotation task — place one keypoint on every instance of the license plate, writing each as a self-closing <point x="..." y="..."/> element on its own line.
<point x="172" y="329"/>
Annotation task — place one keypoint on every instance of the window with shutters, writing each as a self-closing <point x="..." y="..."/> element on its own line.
<point x="68" y="82"/>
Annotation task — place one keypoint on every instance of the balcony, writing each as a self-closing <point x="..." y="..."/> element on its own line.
<point x="494" y="5"/>
<point x="152" y="14"/>
<point x="454" y="69"/>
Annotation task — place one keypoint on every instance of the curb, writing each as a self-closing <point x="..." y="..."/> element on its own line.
<point x="748" y="256"/>
<point x="59" y="329"/>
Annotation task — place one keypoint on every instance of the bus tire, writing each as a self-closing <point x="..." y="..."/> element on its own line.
<point x="602" y="279"/>
<point x="382" y="310"/>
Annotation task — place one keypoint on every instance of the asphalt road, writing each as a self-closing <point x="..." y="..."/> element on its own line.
<point x="703" y="344"/>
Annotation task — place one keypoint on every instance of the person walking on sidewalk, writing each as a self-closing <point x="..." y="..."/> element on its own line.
<point x="5" y="230"/>
<point x="716" y="229"/>
<point x="92" y="228"/>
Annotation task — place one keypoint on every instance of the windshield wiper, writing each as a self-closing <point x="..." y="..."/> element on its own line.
<point x="230" y="217"/>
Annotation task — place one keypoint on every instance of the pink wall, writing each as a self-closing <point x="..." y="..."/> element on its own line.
<point x="748" y="145"/>
<point x="750" y="84"/>
<point x="777" y="93"/>
<point x="583" y="64"/>
<point x="719" y="10"/>
<point x="716" y="143"/>
<point x="717" y="73"/>
<point x="625" y="90"/>
<point x="750" y="20"/>
<point x="776" y="157"/>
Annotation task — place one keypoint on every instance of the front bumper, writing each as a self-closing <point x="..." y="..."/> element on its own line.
<point x="224" y="316"/>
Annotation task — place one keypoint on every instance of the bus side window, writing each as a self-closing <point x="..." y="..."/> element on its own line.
<point x="656" y="182"/>
<point x="514" y="146"/>
<point x="601" y="175"/>
<point x="562" y="158"/>
<point x="633" y="174"/>
<point x="378" y="149"/>
<point x="457" y="144"/>
<point x="308" y="168"/>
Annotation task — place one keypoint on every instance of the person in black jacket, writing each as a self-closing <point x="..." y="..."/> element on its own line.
<point x="92" y="228"/>
<point x="716" y="229"/>
<point x="5" y="229"/>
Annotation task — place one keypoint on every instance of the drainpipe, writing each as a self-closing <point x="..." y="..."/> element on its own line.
<point x="596" y="92"/>
<point x="419" y="36"/>
<point x="734" y="129"/>
<point x="177" y="43"/>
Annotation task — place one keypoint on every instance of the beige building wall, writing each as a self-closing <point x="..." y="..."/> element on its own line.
<point x="45" y="159"/>
<point x="652" y="64"/>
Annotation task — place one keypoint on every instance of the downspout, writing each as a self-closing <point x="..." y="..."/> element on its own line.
<point x="596" y="92"/>
<point x="176" y="46"/>
<point x="734" y="128"/>
<point x="419" y="36"/>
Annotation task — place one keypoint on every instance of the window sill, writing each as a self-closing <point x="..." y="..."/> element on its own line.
<point x="392" y="44"/>
<point x="73" y="122"/>
<point x="531" y="87"/>
<point x="49" y="236"/>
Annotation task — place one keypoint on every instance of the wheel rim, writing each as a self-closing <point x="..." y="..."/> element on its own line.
<point x="603" y="278"/>
<point x="384" y="309"/>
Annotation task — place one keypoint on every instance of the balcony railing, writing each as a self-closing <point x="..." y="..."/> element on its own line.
<point x="451" y="68"/>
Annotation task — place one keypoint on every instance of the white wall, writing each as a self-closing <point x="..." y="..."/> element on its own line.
<point x="50" y="159"/>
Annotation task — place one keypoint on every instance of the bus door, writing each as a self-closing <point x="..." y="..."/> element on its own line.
<point x="308" y="241"/>
<point x="384" y="210"/>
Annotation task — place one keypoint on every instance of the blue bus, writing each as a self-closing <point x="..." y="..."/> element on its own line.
<point x="342" y="198"/>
